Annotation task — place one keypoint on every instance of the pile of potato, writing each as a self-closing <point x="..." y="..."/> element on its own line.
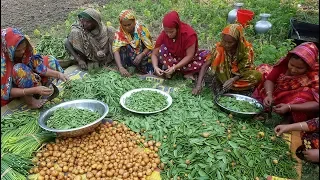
<point x="113" y="151"/>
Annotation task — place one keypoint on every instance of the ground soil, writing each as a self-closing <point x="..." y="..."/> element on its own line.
<point x="31" y="14"/>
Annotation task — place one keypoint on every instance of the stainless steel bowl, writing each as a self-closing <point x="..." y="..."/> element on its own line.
<point x="240" y="98"/>
<point x="89" y="104"/>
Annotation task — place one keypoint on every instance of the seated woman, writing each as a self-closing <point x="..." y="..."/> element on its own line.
<point x="176" y="49"/>
<point x="231" y="62"/>
<point x="23" y="72"/>
<point x="292" y="85"/>
<point x="132" y="45"/>
<point x="90" y="41"/>
<point x="310" y="136"/>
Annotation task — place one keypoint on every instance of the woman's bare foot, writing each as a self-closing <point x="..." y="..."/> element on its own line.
<point x="189" y="76"/>
<point x="34" y="103"/>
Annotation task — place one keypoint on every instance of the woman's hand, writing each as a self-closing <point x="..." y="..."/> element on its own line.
<point x="268" y="101"/>
<point x="138" y="59"/>
<point x="101" y="54"/>
<point x="63" y="77"/>
<point x="43" y="91"/>
<point x="228" y="84"/>
<point x="158" y="71"/>
<point x="281" y="108"/>
<point x="311" y="155"/>
<point x="170" y="70"/>
<point x="124" y="72"/>
<point x="196" y="90"/>
<point x="282" y="129"/>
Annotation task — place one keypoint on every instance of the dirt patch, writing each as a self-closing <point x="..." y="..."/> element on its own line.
<point x="31" y="14"/>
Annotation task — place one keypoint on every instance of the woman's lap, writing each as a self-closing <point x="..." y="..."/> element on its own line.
<point x="24" y="77"/>
<point x="127" y="56"/>
<point x="168" y="60"/>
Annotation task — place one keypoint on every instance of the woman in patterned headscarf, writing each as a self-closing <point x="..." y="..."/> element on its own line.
<point x="90" y="41"/>
<point x="25" y="73"/>
<point x="132" y="45"/>
<point x="232" y="62"/>
<point x="292" y="85"/>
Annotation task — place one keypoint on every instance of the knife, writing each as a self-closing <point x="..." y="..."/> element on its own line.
<point x="54" y="94"/>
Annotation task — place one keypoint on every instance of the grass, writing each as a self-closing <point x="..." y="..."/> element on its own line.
<point x="208" y="18"/>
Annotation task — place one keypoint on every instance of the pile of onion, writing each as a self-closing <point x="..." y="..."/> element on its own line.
<point x="113" y="151"/>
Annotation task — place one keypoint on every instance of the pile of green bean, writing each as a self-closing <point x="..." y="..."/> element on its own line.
<point x="238" y="105"/>
<point x="68" y="118"/>
<point x="146" y="101"/>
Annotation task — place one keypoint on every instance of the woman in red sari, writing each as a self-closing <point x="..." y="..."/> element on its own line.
<point x="292" y="85"/>
<point x="176" y="49"/>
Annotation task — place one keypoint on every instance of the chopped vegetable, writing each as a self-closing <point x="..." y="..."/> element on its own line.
<point x="146" y="101"/>
<point x="238" y="105"/>
<point x="68" y="118"/>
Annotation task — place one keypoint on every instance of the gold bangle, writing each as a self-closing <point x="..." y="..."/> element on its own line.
<point x="268" y="92"/>
<point x="289" y="107"/>
<point x="301" y="126"/>
<point x="23" y="91"/>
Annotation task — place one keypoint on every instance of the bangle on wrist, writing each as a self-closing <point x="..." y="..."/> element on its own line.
<point x="268" y="92"/>
<point x="301" y="126"/>
<point x="23" y="91"/>
<point x="174" y="67"/>
<point x="289" y="107"/>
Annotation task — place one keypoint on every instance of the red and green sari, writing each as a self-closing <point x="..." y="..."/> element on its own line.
<point x="293" y="89"/>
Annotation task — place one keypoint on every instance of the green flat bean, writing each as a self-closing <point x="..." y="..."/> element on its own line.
<point x="238" y="105"/>
<point x="68" y="118"/>
<point x="146" y="101"/>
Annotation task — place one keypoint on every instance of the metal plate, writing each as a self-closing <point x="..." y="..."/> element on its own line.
<point x="240" y="98"/>
<point x="129" y="93"/>
<point x="89" y="104"/>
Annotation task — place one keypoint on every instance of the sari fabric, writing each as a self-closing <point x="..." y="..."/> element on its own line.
<point x="89" y="43"/>
<point x="224" y="67"/>
<point x="141" y="36"/>
<point x="293" y="89"/>
<point x="26" y="73"/>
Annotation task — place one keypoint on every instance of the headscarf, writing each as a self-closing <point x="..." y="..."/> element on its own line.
<point x="10" y="39"/>
<point x="141" y="34"/>
<point x="186" y="36"/>
<point x="90" y="43"/>
<point x="244" y="54"/>
<point x="308" y="52"/>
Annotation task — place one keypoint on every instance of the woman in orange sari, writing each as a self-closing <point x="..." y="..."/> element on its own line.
<point x="232" y="62"/>
<point x="292" y="85"/>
